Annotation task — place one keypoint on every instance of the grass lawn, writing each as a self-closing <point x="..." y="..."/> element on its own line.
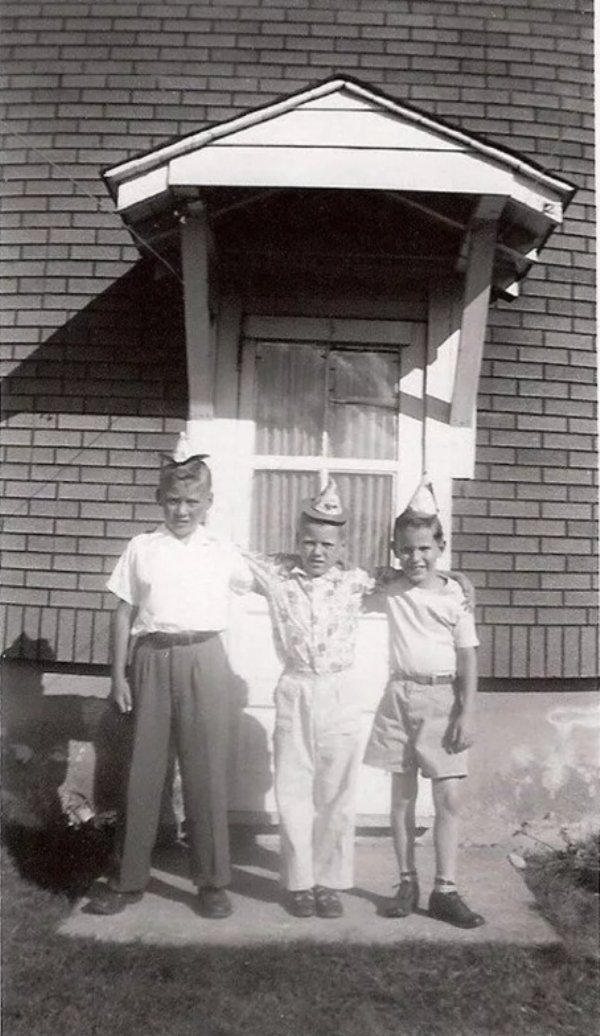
<point x="54" y="986"/>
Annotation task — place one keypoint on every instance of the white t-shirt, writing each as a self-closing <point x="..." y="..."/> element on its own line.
<point x="179" y="585"/>
<point x="427" y="626"/>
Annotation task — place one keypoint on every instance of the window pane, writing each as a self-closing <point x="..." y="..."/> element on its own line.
<point x="276" y="500"/>
<point x="290" y="399"/>
<point x="368" y="500"/>
<point x="362" y="404"/>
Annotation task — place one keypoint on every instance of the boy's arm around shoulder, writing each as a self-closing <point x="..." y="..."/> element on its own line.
<point x="466" y="586"/>
<point x="265" y="569"/>
<point x="375" y="592"/>
<point x="120" y="690"/>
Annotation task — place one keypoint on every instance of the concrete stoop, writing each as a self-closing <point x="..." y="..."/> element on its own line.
<point x="166" y="913"/>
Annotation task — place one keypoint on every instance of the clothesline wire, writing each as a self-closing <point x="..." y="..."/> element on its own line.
<point x="98" y="202"/>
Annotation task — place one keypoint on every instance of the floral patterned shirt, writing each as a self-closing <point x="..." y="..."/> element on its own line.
<point x="315" y="620"/>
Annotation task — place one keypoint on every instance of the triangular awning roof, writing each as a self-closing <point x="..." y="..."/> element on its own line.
<point x="345" y="122"/>
<point x="341" y="134"/>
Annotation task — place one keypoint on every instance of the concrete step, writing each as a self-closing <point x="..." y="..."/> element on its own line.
<point x="166" y="913"/>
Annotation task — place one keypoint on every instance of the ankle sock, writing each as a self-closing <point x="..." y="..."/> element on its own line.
<point x="444" y="886"/>
<point x="409" y="877"/>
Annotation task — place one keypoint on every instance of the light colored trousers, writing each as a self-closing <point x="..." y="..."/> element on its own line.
<point x="177" y="694"/>
<point x="317" y="757"/>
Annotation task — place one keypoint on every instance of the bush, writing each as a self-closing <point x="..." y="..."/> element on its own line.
<point x="565" y="883"/>
<point x="60" y="857"/>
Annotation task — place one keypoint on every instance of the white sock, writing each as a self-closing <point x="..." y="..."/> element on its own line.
<point x="444" y="886"/>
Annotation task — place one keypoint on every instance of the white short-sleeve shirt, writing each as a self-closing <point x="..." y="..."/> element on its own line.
<point x="179" y="585"/>
<point x="426" y="626"/>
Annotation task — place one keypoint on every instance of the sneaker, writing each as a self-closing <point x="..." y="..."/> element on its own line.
<point x="301" y="903"/>
<point x="405" y="901"/>
<point x="328" y="902"/>
<point x="449" y="907"/>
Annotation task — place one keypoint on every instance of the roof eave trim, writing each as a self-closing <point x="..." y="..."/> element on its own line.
<point x="144" y="163"/>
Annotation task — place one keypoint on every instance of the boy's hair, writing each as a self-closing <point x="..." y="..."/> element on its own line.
<point x="192" y="470"/>
<point x="411" y="520"/>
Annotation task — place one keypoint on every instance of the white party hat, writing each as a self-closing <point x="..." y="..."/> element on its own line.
<point x="326" y="506"/>
<point x="183" y="451"/>
<point x="423" y="500"/>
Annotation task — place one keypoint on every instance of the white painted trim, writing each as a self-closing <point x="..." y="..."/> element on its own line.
<point x="135" y="166"/>
<point x="285" y="462"/>
<point x="449" y="452"/>
<point x="347" y="168"/>
<point x="305" y="127"/>
<point x="148" y="185"/>
<point x="478" y="282"/>
<point x="334" y="330"/>
<point x="199" y="333"/>
<point x="411" y="418"/>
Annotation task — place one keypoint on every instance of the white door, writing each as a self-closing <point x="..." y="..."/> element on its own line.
<point x="321" y="397"/>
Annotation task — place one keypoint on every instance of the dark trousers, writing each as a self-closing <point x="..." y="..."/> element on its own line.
<point x="179" y="692"/>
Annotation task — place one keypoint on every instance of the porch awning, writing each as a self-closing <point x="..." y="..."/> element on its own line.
<point x="343" y="135"/>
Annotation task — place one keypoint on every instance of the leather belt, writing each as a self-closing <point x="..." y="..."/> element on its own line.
<point x="183" y="639"/>
<point x="427" y="681"/>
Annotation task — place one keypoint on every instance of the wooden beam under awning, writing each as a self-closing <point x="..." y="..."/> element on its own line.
<point x="199" y="341"/>
<point x="478" y="284"/>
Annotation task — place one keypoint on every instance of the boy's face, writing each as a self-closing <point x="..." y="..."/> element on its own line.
<point x="417" y="551"/>
<point x="185" y="505"/>
<point x="320" y="546"/>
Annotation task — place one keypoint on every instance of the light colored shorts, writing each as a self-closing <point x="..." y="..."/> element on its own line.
<point x="410" y="730"/>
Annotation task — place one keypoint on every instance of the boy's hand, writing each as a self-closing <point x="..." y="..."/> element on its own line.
<point x="385" y="575"/>
<point x="120" y="693"/>
<point x="467" y="588"/>
<point x="460" y="735"/>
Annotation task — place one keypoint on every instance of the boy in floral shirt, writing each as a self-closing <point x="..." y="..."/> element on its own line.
<point x="314" y="605"/>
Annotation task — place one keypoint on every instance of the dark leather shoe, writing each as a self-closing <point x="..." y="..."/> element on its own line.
<point x="301" y="903"/>
<point x="405" y="901"/>
<point x="327" y="902"/>
<point x="449" y="907"/>
<point x="109" y="901"/>
<point x="214" y="903"/>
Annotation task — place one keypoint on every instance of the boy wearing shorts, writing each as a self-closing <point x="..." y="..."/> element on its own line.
<point x="172" y="587"/>
<point x="425" y="718"/>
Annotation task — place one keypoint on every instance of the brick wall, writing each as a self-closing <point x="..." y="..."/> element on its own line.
<point x="93" y="376"/>
<point x="108" y="386"/>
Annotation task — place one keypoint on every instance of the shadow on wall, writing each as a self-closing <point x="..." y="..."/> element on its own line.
<point x="92" y="407"/>
<point x="123" y="353"/>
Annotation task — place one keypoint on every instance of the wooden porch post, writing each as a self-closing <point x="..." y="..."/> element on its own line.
<point x="478" y="283"/>
<point x="199" y="339"/>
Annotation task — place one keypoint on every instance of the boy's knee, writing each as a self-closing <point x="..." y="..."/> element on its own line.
<point x="447" y="795"/>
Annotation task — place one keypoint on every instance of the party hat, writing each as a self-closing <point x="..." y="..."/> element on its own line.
<point x="326" y="506"/>
<point x="423" y="500"/>
<point x="183" y="452"/>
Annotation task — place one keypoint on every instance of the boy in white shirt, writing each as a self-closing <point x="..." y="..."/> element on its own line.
<point x="425" y="718"/>
<point x="173" y="589"/>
